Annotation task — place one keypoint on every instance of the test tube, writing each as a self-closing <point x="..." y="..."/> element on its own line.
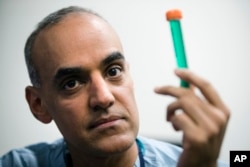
<point x="174" y="16"/>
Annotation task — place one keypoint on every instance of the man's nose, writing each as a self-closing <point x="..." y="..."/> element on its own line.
<point x="101" y="96"/>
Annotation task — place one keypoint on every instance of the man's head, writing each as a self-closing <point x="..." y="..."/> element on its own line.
<point x="81" y="81"/>
<point x="50" y="20"/>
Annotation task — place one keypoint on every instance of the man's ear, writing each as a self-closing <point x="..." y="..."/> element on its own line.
<point x="35" y="104"/>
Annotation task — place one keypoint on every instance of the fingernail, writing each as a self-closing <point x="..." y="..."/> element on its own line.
<point x="156" y="89"/>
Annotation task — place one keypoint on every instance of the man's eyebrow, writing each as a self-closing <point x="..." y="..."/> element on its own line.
<point x="67" y="71"/>
<point x="112" y="57"/>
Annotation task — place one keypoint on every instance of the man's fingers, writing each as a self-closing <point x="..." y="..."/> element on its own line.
<point x="204" y="86"/>
<point x="181" y="121"/>
<point x="185" y="105"/>
<point x="203" y="115"/>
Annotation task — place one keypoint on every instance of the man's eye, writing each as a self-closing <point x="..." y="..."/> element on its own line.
<point x="71" y="84"/>
<point x="114" y="72"/>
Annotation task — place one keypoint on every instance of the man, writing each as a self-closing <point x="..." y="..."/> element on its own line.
<point x="81" y="81"/>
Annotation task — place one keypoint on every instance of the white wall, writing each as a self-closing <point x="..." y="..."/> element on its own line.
<point x="217" y="39"/>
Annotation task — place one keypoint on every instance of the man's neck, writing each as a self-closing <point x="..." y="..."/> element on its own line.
<point x="124" y="159"/>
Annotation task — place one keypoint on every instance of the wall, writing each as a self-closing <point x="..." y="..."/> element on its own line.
<point x="217" y="40"/>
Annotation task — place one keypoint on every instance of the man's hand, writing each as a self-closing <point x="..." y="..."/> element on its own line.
<point x="203" y="120"/>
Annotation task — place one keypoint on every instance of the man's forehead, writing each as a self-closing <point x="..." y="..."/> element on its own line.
<point x="83" y="23"/>
<point x="71" y="28"/>
<point x="73" y="38"/>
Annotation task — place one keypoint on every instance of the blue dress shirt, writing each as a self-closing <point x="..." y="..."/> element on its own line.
<point x="154" y="153"/>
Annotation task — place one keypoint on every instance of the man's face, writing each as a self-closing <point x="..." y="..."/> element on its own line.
<point x="86" y="86"/>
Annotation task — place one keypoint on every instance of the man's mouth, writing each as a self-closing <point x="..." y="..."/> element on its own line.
<point x="106" y="122"/>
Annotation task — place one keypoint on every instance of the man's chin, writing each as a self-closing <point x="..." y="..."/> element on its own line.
<point x="114" y="144"/>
